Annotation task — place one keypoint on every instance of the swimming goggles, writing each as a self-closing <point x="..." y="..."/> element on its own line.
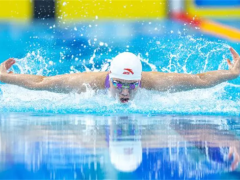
<point x="120" y="85"/>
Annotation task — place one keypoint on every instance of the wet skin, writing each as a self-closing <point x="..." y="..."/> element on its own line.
<point x="125" y="94"/>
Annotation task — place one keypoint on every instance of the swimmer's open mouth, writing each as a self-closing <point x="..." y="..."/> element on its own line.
<point x="124" y="100"/>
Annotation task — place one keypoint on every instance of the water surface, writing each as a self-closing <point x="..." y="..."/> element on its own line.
<point x="50" y="146"/>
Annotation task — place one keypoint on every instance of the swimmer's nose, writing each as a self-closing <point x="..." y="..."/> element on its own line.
<point x="125" y="92"/>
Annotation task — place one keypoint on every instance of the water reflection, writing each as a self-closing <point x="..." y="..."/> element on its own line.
<point x="125" y="146"/>
<point x="119" y="147"/>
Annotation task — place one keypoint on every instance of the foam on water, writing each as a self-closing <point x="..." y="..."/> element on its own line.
<point x="192" y="56"/>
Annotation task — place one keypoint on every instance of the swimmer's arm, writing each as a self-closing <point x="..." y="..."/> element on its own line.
<point x="175" y="82"/>
<point x="61" y="83"/>
<point x="77" y="82"/>
<point x="181" y="82"/>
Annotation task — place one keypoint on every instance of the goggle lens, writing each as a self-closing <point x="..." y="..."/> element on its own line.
<point x="132" y="86"/>
<point x="120" y="85"/>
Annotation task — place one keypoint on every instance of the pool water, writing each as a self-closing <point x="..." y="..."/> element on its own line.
<point x="37" y="146"/>
<point x="184" y="135"/>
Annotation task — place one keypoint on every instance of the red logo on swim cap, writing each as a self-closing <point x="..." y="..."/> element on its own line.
<point x="128" y="71"/>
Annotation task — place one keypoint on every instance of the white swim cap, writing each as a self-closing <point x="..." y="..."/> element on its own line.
<point x="126" y="66"/>
<point x="126" y="156"/>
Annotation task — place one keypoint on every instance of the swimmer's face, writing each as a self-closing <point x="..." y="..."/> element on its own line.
<point x="123" y="90"/>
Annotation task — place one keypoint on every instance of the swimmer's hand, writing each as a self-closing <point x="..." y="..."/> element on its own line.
<point x="235" y="66"/>
<point x="5" y="66"/>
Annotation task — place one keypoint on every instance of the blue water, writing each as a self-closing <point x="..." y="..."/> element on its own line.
<point x="184" y="135"/>
<point x="37" y="146"/>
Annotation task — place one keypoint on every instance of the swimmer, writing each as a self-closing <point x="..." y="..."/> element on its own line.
<point x="123" y="80"/>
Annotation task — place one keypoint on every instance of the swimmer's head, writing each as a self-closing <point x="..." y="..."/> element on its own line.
<point x="125" y="76"/>
<point x="126" y="66"/>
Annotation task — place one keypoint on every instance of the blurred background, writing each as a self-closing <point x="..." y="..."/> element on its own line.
<point x="62" y="33"/>
<point x="79" y="10"/>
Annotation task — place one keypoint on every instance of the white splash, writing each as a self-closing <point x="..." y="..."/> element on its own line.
<point x="219" y="100"/>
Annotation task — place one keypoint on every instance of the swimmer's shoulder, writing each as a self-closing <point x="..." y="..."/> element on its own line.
<point x="95" y="79"/>
<point x="149" y="79"/>
<point x="99" y="79"/>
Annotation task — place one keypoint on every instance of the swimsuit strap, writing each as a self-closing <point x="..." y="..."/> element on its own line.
<point x="107" y="82"/>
